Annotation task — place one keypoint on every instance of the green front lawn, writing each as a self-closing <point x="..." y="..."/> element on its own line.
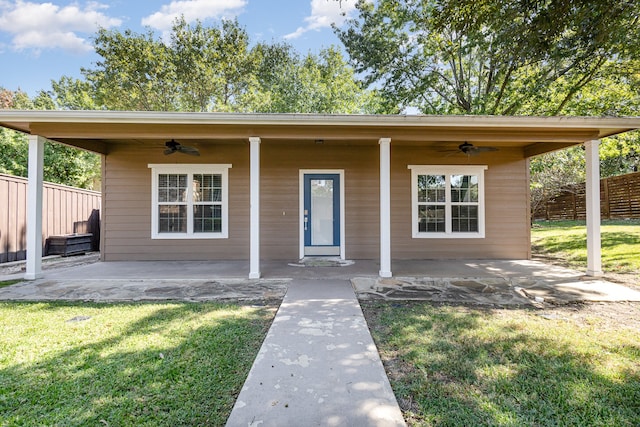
<point x="77" y="364"/>
<point x="567" y="240"/>
<point x="461" y="366"/>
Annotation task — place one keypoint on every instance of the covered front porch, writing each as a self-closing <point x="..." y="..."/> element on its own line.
<point x="519" y="138"/>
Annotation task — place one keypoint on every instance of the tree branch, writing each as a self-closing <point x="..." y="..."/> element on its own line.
<point x="581" y="83"/>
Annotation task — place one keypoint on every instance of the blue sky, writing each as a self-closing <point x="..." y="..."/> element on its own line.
<point x="41" y="41"/>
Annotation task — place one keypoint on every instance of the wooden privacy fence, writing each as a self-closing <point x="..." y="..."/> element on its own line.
<point x="619" y="199"/>
<point x="65" y="210"/>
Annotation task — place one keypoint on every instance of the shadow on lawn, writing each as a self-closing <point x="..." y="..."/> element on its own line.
<point x="453" y="366"/>
<point x="126" y="379"/>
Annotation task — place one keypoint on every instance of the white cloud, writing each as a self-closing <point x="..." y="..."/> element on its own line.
<point x="323" y="14"/>
<point x="192" y="10"/>
<point x="41" y="26"/>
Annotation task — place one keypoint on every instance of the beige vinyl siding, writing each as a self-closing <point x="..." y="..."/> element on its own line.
<point x="127" y="202"/>
<point x="278" y="202"/>
<point x="506" y="207"/>
<point x="127" y="205"/>
<point x="280" y="187"/>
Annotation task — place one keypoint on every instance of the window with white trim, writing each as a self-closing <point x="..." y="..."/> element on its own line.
<point x="447" y="201"/>
<point x="189" y="201"/>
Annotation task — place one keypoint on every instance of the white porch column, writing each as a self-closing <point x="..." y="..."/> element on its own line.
<point x="34" y="208"/>
<point x="254" y="184"/>
<point x="385" y="207"/>
<point x="594" y="250"/>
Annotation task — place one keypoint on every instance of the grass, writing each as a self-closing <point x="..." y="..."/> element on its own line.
<point x="4" y="283"/>
<point x="460" y="366"/>
<point x="568" y="240"/>
<point x="76" y="364"/>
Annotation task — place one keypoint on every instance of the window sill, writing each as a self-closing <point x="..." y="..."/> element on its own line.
<point x="185" y="236"/>
<point x="448" y="236"/>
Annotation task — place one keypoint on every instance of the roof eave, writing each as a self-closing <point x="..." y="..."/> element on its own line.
<point x="20" y="119"/>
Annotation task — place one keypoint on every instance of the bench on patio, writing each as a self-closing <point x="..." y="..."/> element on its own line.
<point x="70" y="244"/>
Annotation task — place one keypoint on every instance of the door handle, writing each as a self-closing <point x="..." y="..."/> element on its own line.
<point x="306" y="220"/>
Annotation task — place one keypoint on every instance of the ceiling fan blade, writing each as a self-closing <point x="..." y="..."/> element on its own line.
<point x="168" y="151"/>
<point x="471" y="150"/>
<point x="485" y="149"/>
<point x="192" y="151"/>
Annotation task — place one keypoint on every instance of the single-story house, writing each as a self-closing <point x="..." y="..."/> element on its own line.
<point x="218" y="186"/>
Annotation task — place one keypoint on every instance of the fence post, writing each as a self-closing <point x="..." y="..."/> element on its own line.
<point x="607" y="202"/>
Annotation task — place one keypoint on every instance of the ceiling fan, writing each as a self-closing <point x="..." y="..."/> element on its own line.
<point x="174" y="146"/>
<point x="471" y="150"/>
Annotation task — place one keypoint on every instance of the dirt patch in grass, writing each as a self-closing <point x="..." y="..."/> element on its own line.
<point x="605" y="315"/>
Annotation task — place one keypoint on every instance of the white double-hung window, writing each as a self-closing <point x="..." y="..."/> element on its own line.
<point x="189" y="201"/>
<point x="447" y="201"/>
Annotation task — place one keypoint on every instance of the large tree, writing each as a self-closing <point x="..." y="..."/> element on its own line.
<point x="135" y="72"/>
<point x="200" y="68"/>
<point x="489" y="56"/>
<point x="323" y="83"/>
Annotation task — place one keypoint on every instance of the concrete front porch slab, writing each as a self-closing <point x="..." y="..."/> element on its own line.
<point x="495" y="282"/>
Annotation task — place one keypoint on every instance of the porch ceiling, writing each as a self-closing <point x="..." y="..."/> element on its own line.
<point x="97" y="130"/>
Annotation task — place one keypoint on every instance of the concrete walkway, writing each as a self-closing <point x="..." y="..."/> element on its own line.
<point x="318" y="365"/>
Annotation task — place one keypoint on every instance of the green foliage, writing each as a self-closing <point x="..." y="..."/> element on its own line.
<point x="135" y="72"/>
<point x="14" y="153"/>
<point x="200" y="68"/>
<point x="553" y="172"/>
<point x="70" y="94"/>
<point x="313" y="84"/>
<point x="70" y="166"/>
<point x="620" y="154"/>
<point x="486" y="56"/>
<point x="62" y="164"/>
<point x="213" y="65"/>
<point x="615" y="91"/>
<point x="17" y="100"/>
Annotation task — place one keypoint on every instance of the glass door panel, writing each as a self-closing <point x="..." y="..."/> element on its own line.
<point x="321" y="214"/>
